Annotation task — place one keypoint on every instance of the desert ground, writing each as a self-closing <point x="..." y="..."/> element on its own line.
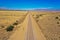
<point x="49" y="23"/>
<point x="29" y="25"/>
<point x="10" y="18"/>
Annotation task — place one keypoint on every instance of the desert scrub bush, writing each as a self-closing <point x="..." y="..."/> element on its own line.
<point x="40" y="15"/>
<point x="2" y="26"/>
<point x="10" y="28"/>
<point x="15" y="23"/>
<point x="56" y="17"/>
<point x="57" y="22"/>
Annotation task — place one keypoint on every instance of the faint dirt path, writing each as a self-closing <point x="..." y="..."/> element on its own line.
<point x="28" y="31"/>
<point x="36" y="30"/>
<point x="29" y="34"/>
<point x="19" y="34"/>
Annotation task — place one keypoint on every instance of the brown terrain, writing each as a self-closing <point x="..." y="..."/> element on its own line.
<point x="30" y="25"/>
<point x="8" y="18"/>
<point x="49" y="23"/>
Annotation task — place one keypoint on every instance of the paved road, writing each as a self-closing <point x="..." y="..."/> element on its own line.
<point x="29" y="34"/>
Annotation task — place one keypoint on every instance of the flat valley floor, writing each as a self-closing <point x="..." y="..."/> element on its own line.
<point x="30" y="25"/>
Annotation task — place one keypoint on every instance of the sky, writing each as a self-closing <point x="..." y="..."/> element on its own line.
<point x="30" y="4"/>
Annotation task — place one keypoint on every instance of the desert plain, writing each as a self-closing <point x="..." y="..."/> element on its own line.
<point x="29" y="25"/>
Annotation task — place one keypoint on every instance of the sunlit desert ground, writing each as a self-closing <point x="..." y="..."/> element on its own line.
<point x="10" y="18"/>
<point x="48" y="22"/>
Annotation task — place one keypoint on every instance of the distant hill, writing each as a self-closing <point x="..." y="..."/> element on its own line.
<point x="47" y="9"/>
<point x="10" y="10"/>
<point x="1" y="9"/>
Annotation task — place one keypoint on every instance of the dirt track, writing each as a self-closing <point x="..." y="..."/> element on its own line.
<point x="31" y="31"/>
<point x="29" y="35"/>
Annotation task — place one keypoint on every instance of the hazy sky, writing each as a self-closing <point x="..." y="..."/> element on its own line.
<point x="29" y="4"/>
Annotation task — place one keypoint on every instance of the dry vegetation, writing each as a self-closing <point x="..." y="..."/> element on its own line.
<point x="49" y="23"/>
<point x="9" y="22"/>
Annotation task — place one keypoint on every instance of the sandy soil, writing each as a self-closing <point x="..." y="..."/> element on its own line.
<point x="37" y="25"/>
<point x="48" y="24"/>
<point x="31" y="31"/>
<point x="7" y="18"/>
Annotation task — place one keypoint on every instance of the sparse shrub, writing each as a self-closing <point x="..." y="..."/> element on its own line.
<point x="37" y="17"/>
<point x="57" y="17"/>
<point x="9" y="28"/>
<point x="40" y="15"/>
<point x="2" y="26"/>
<point x="15" y="23"/>
<point x="59" y="37"/>
<point x="57" y="22"/>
